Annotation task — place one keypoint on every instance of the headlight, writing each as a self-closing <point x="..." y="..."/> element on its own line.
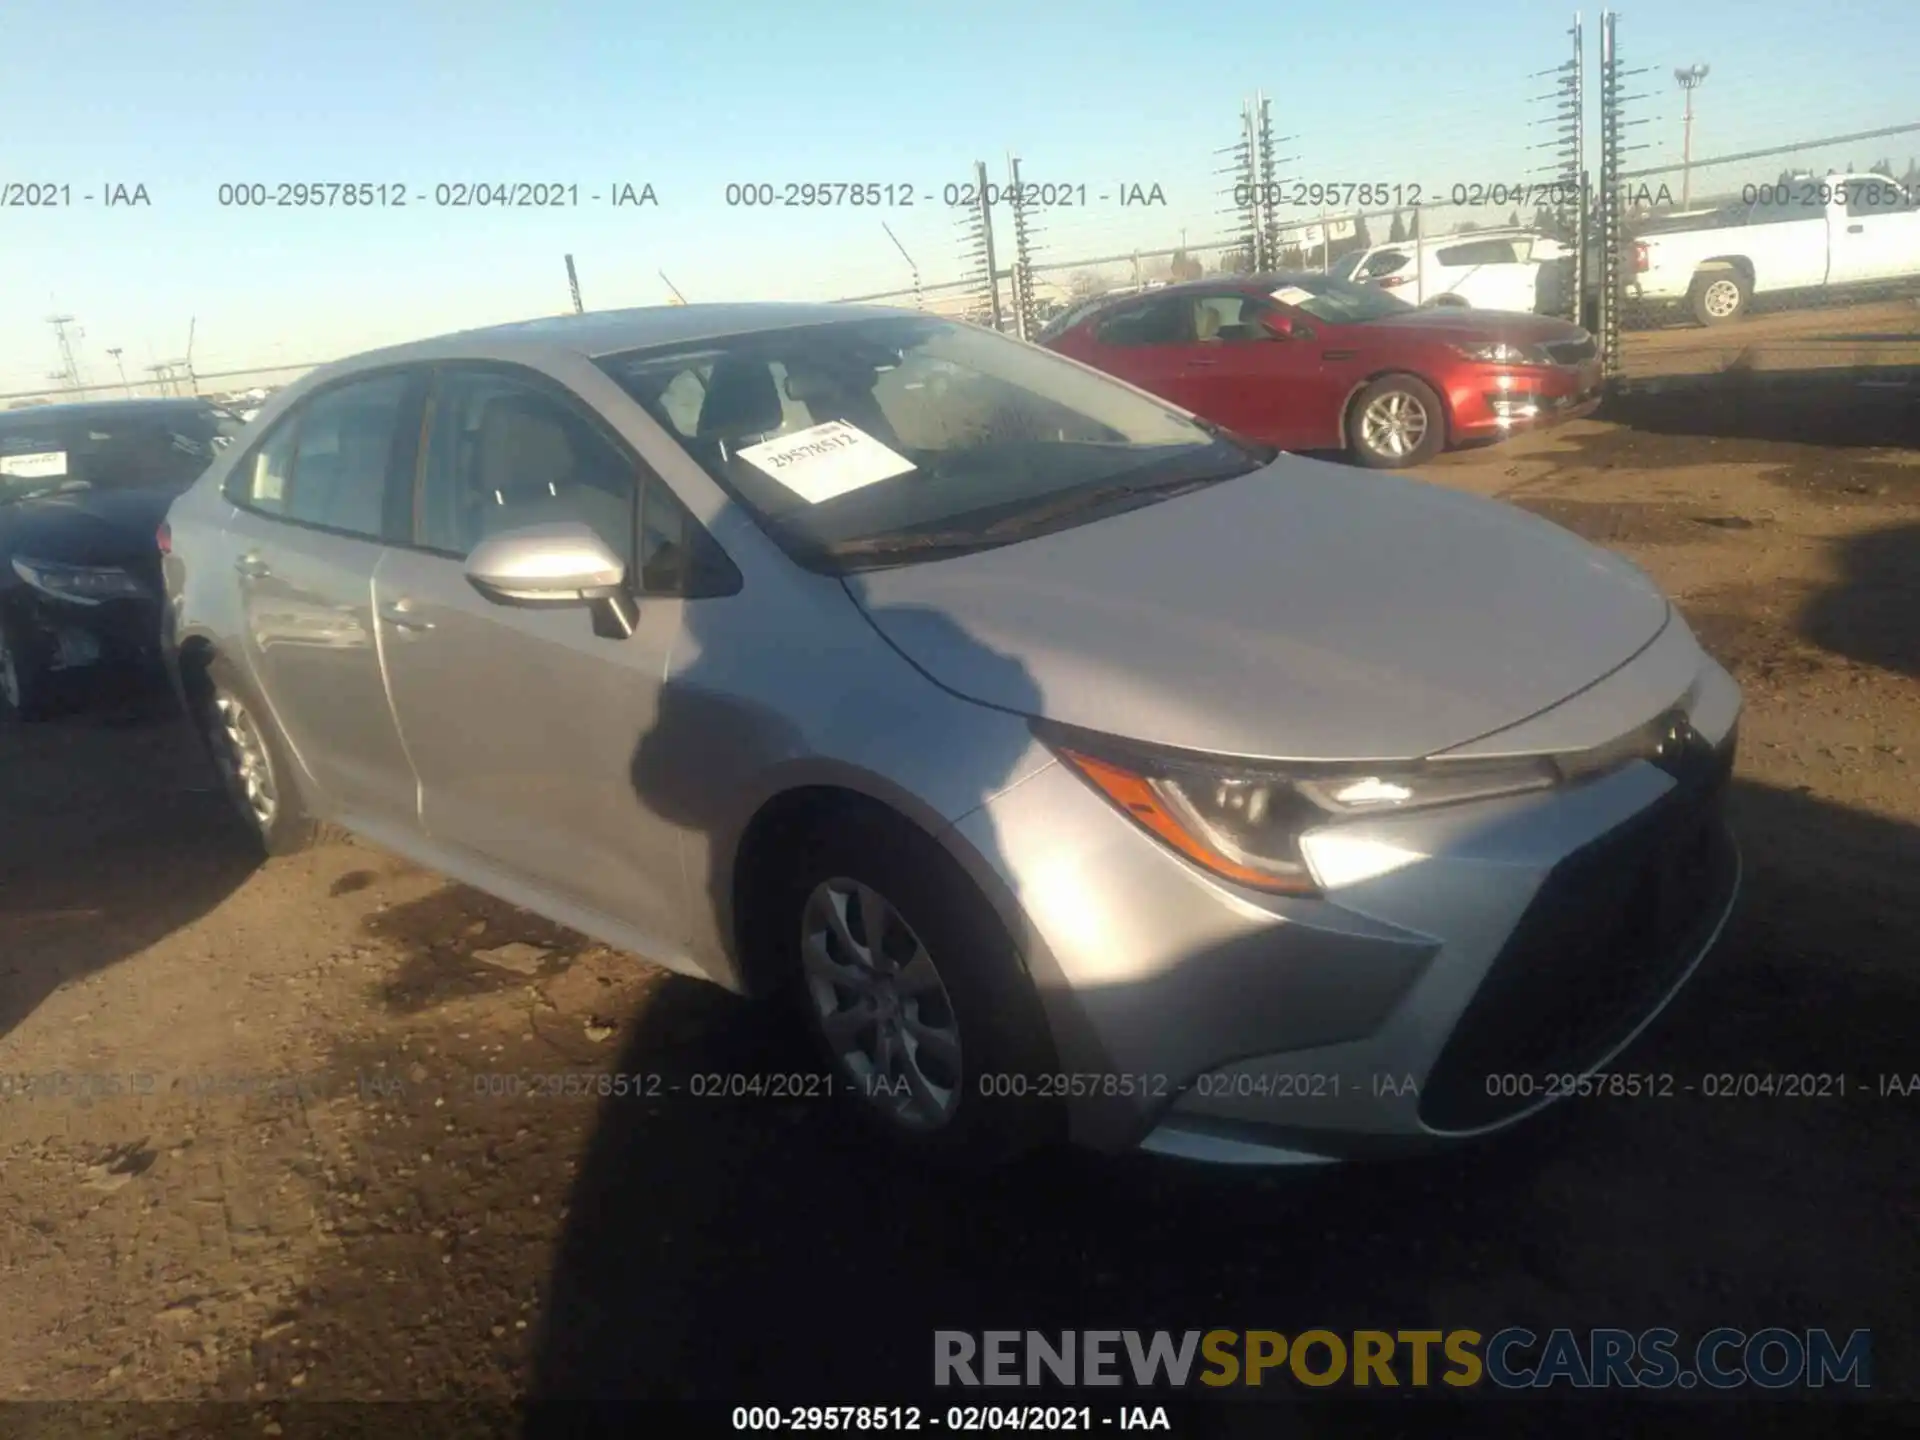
<point x="1245" y="822"/>
<point x="81" y="584"/>
<point x="1502" y="352"/>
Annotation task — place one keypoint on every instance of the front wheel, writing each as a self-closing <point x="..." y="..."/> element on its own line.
<point x="1396" y="421"/>
<point x="916" y="995"/>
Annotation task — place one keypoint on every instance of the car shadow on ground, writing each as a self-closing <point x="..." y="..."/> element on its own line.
<point x="1858" y="407"/>
<point x="113" y="835"/>
<point x="1874" y="614"/>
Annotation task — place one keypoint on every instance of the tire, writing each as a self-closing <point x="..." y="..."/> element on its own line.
<point x="1719" y="297"/>
<point x="26" y="680"/>
<point x="1371" y="423"/>
<point x="1449" y="302"/>
<point x="225" y="709"/>
<point x="981" y="995"/>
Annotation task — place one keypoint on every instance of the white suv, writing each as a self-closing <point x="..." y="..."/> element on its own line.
<point x="1484" y="269"/>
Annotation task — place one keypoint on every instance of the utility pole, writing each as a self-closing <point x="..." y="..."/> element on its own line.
<point x="1689" y="80"/>
<point x="573" y="284"/>
<point x="121" y="367"/>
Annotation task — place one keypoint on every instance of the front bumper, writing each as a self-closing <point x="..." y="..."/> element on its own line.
<point x="69" y="637"/>
<point x="1492" y="402"/>
<point x="1517" y="945"/>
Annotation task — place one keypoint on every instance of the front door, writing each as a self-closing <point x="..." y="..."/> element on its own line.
<point x="308" y="534"/>
<point x="1264" y="385"/>
<point x="523" y="723"/>
<point x="1876" y="234"/>
<point x="1144" y="343"/>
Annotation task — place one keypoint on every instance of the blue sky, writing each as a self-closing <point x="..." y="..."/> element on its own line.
<point x="184" y="96"/>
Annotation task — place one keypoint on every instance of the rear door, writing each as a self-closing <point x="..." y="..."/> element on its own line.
<point x="523" y="723"/>
<point x="1487" y="274"/>
<point x="317" y="500"/>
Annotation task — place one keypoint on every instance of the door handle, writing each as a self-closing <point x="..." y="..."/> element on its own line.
<point x="1856" y="229"/>
<point x="1199" y="364"/>
<point x="253" y="567"/>
<point x="396" y="614"/>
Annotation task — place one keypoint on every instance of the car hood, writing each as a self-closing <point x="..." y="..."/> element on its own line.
<point x="86" y="527"/>
<point x="1454" y="324"/>
<point x="1304" y="612"/>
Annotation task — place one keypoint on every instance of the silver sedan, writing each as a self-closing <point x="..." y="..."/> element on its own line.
<point x="1079" y="770"/>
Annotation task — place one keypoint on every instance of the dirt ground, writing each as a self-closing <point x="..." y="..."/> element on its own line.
<point x="281" y="1167"/>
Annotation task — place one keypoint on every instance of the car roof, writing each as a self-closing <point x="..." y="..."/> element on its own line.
<point x="600" y="333"/>
<point x="108" y="409"/>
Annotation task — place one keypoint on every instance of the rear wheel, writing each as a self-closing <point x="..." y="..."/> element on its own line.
<point x="915" y="994"/>
<point x="1719" y="297"/>
<point x="26" y="681"/>
<point x="1396" y="421"/>
<point x="252" y="762"/>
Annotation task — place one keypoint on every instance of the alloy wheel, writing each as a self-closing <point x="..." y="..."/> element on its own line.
<point x="1394" y="425"/>
<point x="1721" y="299"/>
<point x="243" y="753"/>
<point x="881" y="1003"/>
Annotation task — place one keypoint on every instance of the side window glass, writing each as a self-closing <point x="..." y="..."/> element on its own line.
<point x="1160" y="323"/>
<point x="1868" y="197"/>
<point x="259" y="482"/>
<point x="504" y="453"/>
<point x="342" y="452"/>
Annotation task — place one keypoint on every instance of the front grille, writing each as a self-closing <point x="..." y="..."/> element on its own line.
<point x="1572" y="352"/>
<point x="1612" y="929"/>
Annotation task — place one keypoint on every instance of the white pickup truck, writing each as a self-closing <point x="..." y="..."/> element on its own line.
<point x="1831" y="232"/>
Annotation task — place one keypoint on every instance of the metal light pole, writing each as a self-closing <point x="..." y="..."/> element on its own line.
<point x="116" y="352"/>
<point x="1689" y="80"/>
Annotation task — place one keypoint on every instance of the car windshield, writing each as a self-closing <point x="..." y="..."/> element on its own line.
<point x="136" y="449"/>
<point x="1339" y="302"/>
<point x="899" y="438"/>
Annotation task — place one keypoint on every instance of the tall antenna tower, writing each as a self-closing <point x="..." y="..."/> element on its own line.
<point x="70" y="366"/>
<point x="1564" y="167"/>
<point x="1026" y="320"/>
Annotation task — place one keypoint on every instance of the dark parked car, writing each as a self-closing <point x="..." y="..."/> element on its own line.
<point x="83" y="490"/>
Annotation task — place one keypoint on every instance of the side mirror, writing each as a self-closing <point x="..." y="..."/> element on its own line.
<point x="557" y="566"/>
<point x="1278" y="327"/>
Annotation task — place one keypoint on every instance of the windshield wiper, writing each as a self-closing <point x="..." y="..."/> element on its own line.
<point x="932" y="544"/>
<point x="65" y="487"/>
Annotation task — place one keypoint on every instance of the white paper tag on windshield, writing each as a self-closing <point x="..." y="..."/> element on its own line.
<point x="1292" y="295"/>
<point x="823" y="461"/>
<point x="44" y="465"/>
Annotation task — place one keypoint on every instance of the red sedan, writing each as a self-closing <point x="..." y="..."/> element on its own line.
<point x="1308" y="362"/>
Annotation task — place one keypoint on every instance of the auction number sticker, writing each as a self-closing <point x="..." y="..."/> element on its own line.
<point x="1292" y="295"/>
<point x="39" y="466"/>
<point x="826" y="460"/>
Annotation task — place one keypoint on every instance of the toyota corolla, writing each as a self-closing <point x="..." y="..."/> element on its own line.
<point x="1079" y="769"/>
